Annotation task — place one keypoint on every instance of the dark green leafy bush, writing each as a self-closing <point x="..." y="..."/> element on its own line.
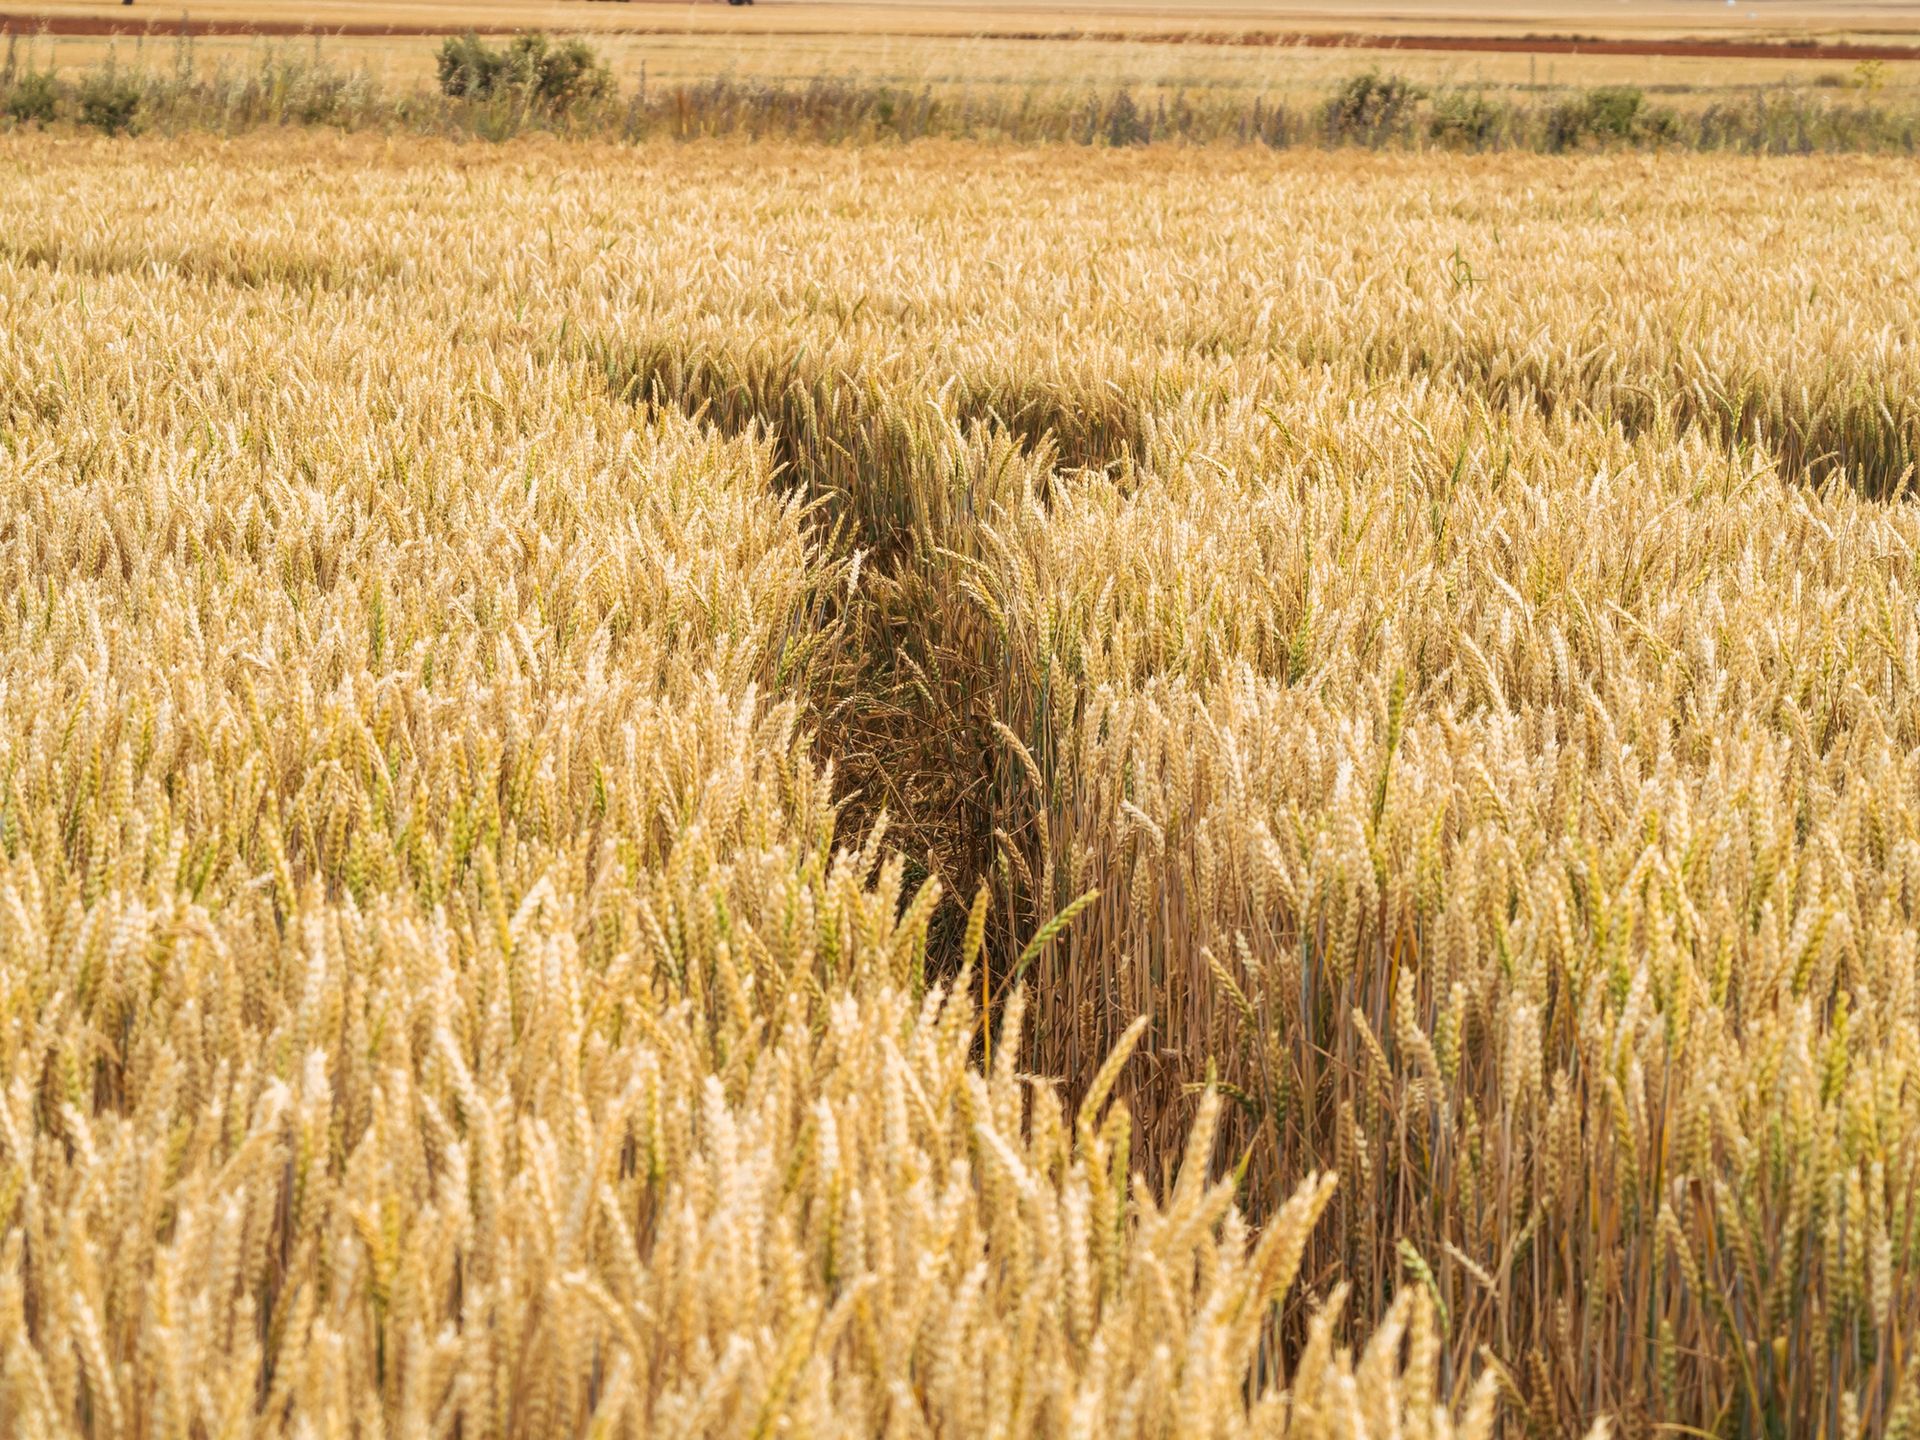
<point x="1614" y="110"/>
<point x="558" y="76"/>
<point x="33" y="99"/>
<point x="1125" y="123"/>
<point x="1370" y="108"/>
<point x="548" y="76"/>
<point x="109" y="101"/>
<point x="468" y="66"/>
<point x="1468" y="122"/>
<point x="1610" y="115"/>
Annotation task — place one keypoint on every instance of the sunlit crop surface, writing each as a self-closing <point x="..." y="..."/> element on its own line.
<point x="547" y="690"/>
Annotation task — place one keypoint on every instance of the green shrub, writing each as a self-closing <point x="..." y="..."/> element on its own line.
<point x="1125" y="122"/>
<point x="109" y="101"/>
<point x="1469" y="122"/>
<point x="552" y="77"/>
<point x="1613" y="110"/>
<point x="558" y="76"/>
<point x="1659" y="125"/>
<point x="34" y="98"/>
<point x="468" y="66"/>
<point x="1370" y="107"/>
<point x="1609" y="115"/>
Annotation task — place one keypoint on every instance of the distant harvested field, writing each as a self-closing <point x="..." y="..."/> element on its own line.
<point x="1657" y="18"/>
<point x="1533" y="43"/>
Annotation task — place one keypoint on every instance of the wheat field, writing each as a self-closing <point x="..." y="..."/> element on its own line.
<point x="744" y="789"/>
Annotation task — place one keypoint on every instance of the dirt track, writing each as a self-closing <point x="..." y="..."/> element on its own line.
<point x="132" y="25"/>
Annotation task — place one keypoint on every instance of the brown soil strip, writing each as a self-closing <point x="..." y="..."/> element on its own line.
<point x="131" y="26"/>
<point x="134" y="25"/>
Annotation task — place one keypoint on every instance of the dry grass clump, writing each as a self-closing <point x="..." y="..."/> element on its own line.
<point x="513" y="666"/>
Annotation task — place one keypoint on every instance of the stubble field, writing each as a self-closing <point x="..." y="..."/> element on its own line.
<point x="956" y="791"/>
